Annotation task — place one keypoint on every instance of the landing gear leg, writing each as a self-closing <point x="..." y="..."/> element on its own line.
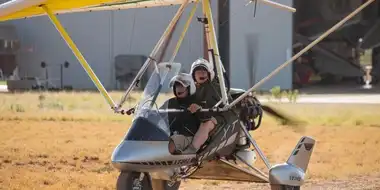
<point x="253" y="142"/>
<point x="289" y="175"/>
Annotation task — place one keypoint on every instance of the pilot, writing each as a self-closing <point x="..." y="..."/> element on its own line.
<point x="208" y="94"/>
<point x="183" y="125"/>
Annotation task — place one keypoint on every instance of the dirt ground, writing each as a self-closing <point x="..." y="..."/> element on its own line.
<point x="354" y="183"/>
<point x="76" y="155"/>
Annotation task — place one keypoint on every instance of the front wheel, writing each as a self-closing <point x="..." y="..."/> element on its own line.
<point x="284" y="187"/>
<point x="131" y="181"/>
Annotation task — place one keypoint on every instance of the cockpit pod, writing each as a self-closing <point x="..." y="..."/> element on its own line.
<point x="145" y="145"/>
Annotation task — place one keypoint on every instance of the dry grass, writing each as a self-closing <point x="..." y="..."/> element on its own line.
<point x="67" y="142"/>
<point x="63" y="106"/>
<point x="58" y="155"/>
<point x="344" y="115"/>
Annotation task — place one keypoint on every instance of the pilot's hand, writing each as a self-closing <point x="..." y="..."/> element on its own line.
<point x="194" y="108"/>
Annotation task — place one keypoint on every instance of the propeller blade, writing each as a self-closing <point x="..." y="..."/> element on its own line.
<point x="286" y="120"/>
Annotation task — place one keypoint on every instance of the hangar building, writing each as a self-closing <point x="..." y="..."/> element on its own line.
<point x="252" y="44"/>
<point x="104" y="37"/>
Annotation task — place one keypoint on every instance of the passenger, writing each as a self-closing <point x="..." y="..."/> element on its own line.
<point x="183" y="125"/>
<point x="208" y="93"/>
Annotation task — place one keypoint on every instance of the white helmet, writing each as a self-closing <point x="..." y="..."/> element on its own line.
<point x="186" y="80"/>
<point x="205" y="64"/>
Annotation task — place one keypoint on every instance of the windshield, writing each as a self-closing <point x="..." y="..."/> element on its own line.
<point x="156" y="93"/>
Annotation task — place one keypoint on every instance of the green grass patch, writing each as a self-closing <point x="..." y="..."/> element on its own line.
<point x="332" y="114"/>
<point x="91" y="106"/>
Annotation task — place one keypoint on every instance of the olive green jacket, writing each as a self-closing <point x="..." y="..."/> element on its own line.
<point x="208" y="94"/>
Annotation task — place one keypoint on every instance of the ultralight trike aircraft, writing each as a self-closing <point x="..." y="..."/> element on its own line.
<point x="143" y="156"/>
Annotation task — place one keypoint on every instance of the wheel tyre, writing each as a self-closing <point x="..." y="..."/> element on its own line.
<point x="127" y="181"/>
<point x="285" y="187"/>
<point x="163" y="185"/>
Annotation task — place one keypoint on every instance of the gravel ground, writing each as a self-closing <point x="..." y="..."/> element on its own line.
<point x="355" y="183"/>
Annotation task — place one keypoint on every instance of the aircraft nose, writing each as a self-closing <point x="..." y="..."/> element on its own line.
<point x="146" y="146"/>
<point x="137" y="155"/>
<point x="140" y="151"/>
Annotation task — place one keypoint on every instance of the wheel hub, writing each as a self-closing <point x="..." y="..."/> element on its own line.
<point x="137" y="184"/>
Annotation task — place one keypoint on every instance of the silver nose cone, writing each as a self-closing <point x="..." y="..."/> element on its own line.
<point x="146" y="156"/>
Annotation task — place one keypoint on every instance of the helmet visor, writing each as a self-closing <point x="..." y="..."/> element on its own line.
<point x="180" y="79"/>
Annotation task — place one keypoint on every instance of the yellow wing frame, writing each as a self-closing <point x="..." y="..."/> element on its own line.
<point x="19" y="9"/>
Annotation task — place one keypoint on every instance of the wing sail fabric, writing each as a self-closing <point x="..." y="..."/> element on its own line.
<point x="18" y="9"/>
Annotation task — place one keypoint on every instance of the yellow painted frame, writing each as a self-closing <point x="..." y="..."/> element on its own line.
<point x="212" y="43"/>
<point x="78" y="55"/>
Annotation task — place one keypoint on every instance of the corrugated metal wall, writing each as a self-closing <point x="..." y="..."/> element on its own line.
<point x="101" y="36"/>
<point x="260" y="44"/>
<point x="257" y="45"/>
